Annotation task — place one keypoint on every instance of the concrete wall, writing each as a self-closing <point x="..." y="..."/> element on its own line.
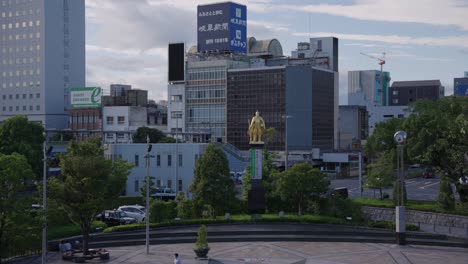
<point x="451" y="225"/>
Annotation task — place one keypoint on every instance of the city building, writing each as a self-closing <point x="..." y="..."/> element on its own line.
<point x="297" y="100"/>
<point x="42" y="56"/>
<point x="353" y="126"/>
<point x="324" y="51"/>
<point x="369" y="83"/>
<point x="121" y="122"/>
<point x="167" y="172"/>
<point x="402" y="93"/>
<point x="377" y="113"/>
<point x="460" y="86"/>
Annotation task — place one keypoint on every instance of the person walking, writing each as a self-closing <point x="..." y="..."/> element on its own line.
<point x="177" y="259"/>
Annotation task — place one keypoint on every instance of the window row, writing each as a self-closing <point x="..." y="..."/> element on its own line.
<point x="18" y="50"/>
<point x="158" y="160"/>
<point x="110" y="120"/>
<point x="12" y="2"/>
<point x="22" y="73"/>
<point x="23" y="36"/>
<point x="158" y="185"/>
<point x="17" y="108"/>
<point x="20" y="25"/>
<point x="85" y="119"/>
<point x="18" y="84"/>
<point x="18" y="96"/>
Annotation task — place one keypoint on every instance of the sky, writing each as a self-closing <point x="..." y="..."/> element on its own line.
<point x="126" y="40"/>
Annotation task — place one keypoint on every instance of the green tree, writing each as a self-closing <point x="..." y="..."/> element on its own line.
<point x="301" y="185"/>
<point x="446" y="199"/>
<point x="154" y="134"/>
<point x="438" y="136"/>
<point x="212" y="184"/>
<point x="380" y="174"/>
<point x="382" y="140"/>
<point x="152" y="188"/>
<point x="17" y="134"/>
<point x="15" y="206"/>
<point x="167" y="140"/>
<point x="88" y="184"/>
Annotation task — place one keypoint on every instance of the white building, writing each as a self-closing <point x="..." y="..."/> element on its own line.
<point x="121" y="122"/>
<point x="167" y="171"/>
<point x="42" y="56"/>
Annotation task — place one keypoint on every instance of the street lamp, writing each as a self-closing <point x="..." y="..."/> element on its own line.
<point x="147" y="157"/>
<point x="286" y="161"/>
<point x="46" y="153"/>
<point x="400" y="139"/>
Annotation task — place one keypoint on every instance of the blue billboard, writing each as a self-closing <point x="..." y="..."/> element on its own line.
<point x="461" y="90"/>
<point x="222" y="27"/>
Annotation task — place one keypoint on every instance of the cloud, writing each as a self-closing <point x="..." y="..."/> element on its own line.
<point x="453" y="41"/>
<point x="433" y="12"/>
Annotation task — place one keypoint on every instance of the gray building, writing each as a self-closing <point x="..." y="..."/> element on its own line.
<point x="166" y="170"/>
<point x="369" y="83"/>
<point x="353" y="126"/>
<point x="405" y="92"/>
<point x="42" y="57"/>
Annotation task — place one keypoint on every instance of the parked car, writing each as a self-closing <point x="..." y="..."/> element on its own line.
<point x="428" y="173"/>
<point x="115" y="217"/>
<point x="136" y="211"/>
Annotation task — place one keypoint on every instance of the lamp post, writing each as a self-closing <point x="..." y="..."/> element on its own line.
<point x="286" y="154"/>
<point x="400" y="139"/>
<point x="147" y="157"/>
<point x="44" y="200"/>
<point x="176" y="152"/>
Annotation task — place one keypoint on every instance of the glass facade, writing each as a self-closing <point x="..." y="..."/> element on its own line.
<point x="252" y="90"/>
<point x="206" y="101"/>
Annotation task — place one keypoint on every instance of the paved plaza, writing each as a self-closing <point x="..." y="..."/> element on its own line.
<point x="286" y="253"/>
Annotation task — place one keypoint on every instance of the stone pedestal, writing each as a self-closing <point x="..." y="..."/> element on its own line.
<point x="256" y="195"/>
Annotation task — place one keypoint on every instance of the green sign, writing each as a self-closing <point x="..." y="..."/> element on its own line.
<point x="85" y="97"/>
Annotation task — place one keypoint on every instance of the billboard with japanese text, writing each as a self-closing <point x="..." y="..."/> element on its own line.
<point x="222" y="27"/>
<point x="85" y="97"/>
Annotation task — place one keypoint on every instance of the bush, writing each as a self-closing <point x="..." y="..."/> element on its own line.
<point x="202" y="240"/>
<point x="162" y="211"/>
<point x="342" y="208"/>
<point x="186" y="209"/>
<point x="69" y="230"/>
<point x="446" y="199"/>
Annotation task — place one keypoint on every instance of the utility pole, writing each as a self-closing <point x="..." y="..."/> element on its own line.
<point x="147" y="217"/>
<point x="400" y="139"/>
<point x="46" y="153"/>
<point x="286" y="153"/>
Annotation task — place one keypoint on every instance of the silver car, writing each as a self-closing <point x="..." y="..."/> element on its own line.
<point x="136" y="211"/>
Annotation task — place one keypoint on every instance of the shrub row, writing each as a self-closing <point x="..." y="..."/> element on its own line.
<point x="71" y="230"/>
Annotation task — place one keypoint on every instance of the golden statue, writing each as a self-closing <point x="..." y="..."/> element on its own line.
<point x="256" y="129"/>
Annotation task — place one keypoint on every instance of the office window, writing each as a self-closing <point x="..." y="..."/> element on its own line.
<point x="180" y="186"/>
<point x="4" y="108"/>
<point x="30" y="108"/>
<point x="120" y="135"/>
<point x="110" y="135"/>
<point x="121" y="120"/>
<point x="38" y="95"/>
<point x="158" y="183"/>
<point x="38" y="107"/>
<point x="24" y="108"/>
<point x="395" y="92"/>
<point x="169" y="183"/>
<point x="17" y="96"/>
<point x="137" y="160"/>
<point x="17" y="108"/>
<point x="10" y="108"/>
<point x="158" y="160"/>
<point x="137" y="187"/>
<point x="110" y="120"/>
<point x="180" y="160"/>
<point x="24" y="96"/>
<point x="169" y="160"/>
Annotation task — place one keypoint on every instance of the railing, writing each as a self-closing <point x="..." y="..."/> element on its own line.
<point x="234" y="151"/>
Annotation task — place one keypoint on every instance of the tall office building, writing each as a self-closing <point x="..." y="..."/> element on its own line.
<point x="460" y="86"/>
<point x="406" y="92"/>
<point x="369" y="84"/>
<point x="42" y="56"/>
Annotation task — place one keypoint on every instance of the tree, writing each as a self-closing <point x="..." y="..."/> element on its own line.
<point x="438" y="136"/>
<point x="154" y="134"/>
<point x="381" y="139"/>
<point x="301" y="184"/>
<point x="152" y="189"/>
<point x="446" y="199"/>
<point x="212" y="184"/>
<point x="380" y="173"/>
<point x="167" y="140"/>
<point x="17" y="134"/>
<point x="15" y="173"/>
<point x="88" y="184"/>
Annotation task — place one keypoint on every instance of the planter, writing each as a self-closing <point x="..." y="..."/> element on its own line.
<point x="201" y="252"/>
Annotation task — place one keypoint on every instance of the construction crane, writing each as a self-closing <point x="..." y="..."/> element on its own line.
<point x="381" y="63"/>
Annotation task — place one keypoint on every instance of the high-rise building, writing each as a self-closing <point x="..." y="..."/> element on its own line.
<point x="373" y="86"/>
<point x="405" y="92"/>
<point x="460" y="86"/>
<point x="42" y="56"/>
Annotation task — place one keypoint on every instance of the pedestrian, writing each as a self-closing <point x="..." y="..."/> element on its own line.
<point x="177" y="259"/>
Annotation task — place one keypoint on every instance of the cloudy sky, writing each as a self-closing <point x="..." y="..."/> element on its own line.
<point x="126" y="40"/>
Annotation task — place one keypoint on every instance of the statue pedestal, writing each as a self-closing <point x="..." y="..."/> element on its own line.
<point x="256" y="195"/>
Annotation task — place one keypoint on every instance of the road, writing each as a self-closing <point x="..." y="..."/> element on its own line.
<point x="417" y="188"/>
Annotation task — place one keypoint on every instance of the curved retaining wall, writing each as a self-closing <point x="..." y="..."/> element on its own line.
<point x="451" y="225"/>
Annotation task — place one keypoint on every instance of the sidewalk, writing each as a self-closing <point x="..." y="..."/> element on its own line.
<point x="285" y="253"/>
